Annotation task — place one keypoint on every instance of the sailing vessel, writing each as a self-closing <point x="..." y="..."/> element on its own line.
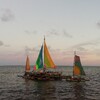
<point x="27" y="67"/>
<point x="43" y="63"/>
<point x="78" y="71"/>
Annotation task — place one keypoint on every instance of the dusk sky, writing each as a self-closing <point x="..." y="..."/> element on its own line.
<point x="68" y="26"/>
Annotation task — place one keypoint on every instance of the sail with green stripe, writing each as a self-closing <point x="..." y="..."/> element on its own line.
<point x="78" y="69"/>
<point x="39" y="62"/>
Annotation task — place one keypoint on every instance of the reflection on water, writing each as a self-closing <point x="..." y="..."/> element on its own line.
<point x="16" y="88"/>
<point x="39" y="90"/>
<point x="79" y="92"/>
<point x="45" y="90"/>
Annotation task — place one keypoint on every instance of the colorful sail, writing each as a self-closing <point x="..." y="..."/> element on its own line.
<point x="77" y="69"/>
<point x="27" y="68"/>
<point x="47" y="59"/>
<point x="39" y="62"/>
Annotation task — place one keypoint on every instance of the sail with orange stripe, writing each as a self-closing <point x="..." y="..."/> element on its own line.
<point x="48" y="62"/>
<point x="78" y="69"/>
<point x="27" y="68"/>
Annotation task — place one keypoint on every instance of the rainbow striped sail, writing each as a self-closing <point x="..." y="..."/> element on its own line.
<point x="77" y="69"/>
<point x="48" y="62"/>
<point x="27" y="68"/>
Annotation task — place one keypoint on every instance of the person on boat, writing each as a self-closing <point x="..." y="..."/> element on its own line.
<point x="44" y="70"/>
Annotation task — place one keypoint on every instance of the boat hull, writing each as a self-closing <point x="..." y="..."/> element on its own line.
<point x="44" y="76"/>
<point x="72" y="79"/>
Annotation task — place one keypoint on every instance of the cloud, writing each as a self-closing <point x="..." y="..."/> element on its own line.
<point x="98" y="24"/>
<point x="7" y="15"/>
<point x="29" y="50"/>
<point x="92" y="42"/>
<point x="87" y="45"/>
<point x="66" y="34"/>
<point x="59" y="33"/>
<point x="1" y="43"/>
<point x="52" y="32"/>
<point x="29" y="32"/>
<point x="7" y="45"/>
<point x="80" y="47"/>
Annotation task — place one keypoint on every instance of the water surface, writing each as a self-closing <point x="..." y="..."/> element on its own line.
<point x="16" y="88"/>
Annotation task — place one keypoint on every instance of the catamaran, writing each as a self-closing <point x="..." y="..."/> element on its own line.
<point x="43" y="63"/>
<point x="78" y="71"/>
<point x="47" y="62"/>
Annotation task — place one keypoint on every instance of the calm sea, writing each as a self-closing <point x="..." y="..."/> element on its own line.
<point x="17" y="88"/>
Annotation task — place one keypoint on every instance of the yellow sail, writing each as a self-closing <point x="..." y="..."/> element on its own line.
<point x="27" y="68"/>
<point x="48" y="62"/>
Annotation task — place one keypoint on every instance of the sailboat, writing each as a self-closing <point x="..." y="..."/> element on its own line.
<point x="43" y="63"/>
<point x="78" y="71"/>
<point x="27" y="69"/>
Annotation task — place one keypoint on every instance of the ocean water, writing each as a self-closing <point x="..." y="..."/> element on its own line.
<point x="13" y="87"/>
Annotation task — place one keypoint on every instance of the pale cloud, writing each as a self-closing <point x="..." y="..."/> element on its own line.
<point x="30" y="32"/>
<point x="66" y="34"/>
<point x="27" y="32"/>
<point x="52" y="32"/>
<point x="1" y="43"/>
<point x="85" y="45"/>
<point x="59" y="33"/>
<point x="6" y="15"/>
<point x="98" y="24"/>
<point x="5" y="45"/>
<point x="88" y="51"/>
<point x="29" y="50"/>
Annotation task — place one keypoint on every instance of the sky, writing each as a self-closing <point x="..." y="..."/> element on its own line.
<point x="68" y="26"/>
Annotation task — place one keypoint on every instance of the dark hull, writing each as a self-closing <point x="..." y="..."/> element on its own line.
<point x="43" y="76"/>
<point x="76" y="79"/>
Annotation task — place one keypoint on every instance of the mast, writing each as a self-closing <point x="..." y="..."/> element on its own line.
<point x="74" y="62"/>
<point x="74" y="57"/>
<point x="43" y="56"/>
<point x="43" y="50"/>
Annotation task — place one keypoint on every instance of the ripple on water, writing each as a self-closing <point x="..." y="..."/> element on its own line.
<point x="15" y="88"/>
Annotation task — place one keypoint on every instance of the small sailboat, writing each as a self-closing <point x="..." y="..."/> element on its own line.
<point x="78" y="71"/>
<point x="27" y="67"/>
